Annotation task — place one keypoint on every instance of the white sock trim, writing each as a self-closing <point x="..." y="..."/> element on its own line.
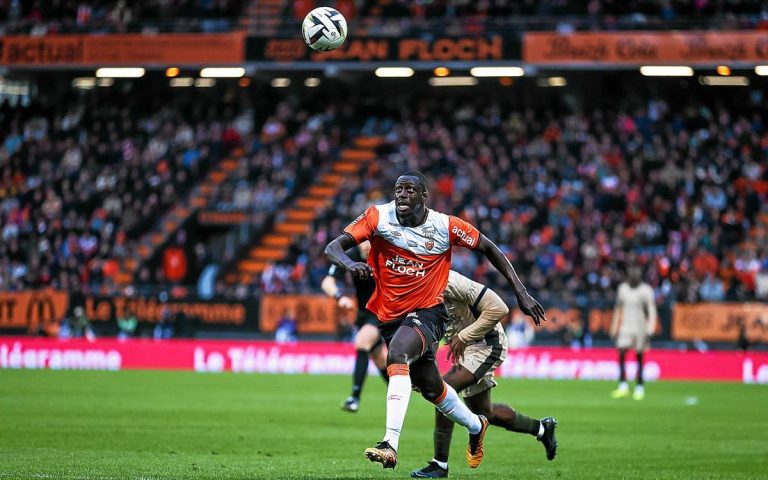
<point x="453" y="408"/>
<point x="398" y="396"/>
<point x="443" y="465"/>
<point x="541" y="430"/>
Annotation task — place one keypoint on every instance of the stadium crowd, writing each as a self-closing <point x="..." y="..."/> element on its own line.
<point x="667" y="9"/>
<point x="83" y="176"/>
<point x="41" y="17"/>
<point x="574" y="196"/>
<point x="396" y="17"/>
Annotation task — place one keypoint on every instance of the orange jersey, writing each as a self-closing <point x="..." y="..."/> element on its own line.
<point x="410" y="264"/>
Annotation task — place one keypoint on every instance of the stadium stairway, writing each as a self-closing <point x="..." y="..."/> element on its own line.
<point x="297" y="218"/>
<point x="197" y="198"/>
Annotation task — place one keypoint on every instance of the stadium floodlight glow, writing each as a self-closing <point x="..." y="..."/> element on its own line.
<point x="497" y="72"/>
<point x="666" y="71"/>
<point x="453" y="81"/>
<point x="394" y="72"/>
<point x="762" y="70"/>
<point x="222" y="72"/>
<point x="441" y="72"/>
<point x="552" y="82"/>
<point x="716" y="81"/>
<point x="172" y="72"/>
<point x="84" y="83"/>
<point x="120" y="72"/>
<point x="723" y="70"/>
<point x="105" y="82"/>
<point x="281" y="82"/>
<point x="182" y="82"/>
<point x="557" y="81"/>
<point x="312" y="82"/>
<point x="204" y="82"/>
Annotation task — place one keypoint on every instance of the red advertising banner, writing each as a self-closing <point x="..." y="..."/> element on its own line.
<point x="338" y="358"/>
<point x="645" y="48"/>
<point x="124" y="49"/>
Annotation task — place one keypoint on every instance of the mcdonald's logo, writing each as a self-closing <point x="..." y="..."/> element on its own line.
<point x="33" y="311"/>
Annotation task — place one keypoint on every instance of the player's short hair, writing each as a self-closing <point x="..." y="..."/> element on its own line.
<point x="421" y="178"/>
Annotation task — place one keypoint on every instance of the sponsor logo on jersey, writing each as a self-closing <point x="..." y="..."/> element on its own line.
<point x="405" y="266"/>
<point x="357" y="219"/>
<point x="390" y="233"/>
<point x="464" y="236"/>
<point x="412" y="244"/>
<point x="429" y="231"/>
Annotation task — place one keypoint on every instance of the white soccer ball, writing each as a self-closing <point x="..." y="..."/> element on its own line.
<point x="324" y="28"/>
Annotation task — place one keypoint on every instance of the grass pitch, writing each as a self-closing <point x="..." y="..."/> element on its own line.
<point x="169" y="425"/>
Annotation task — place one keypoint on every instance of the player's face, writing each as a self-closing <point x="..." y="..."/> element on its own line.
<point x="408" y="196"/>
<point x="634" y="275"/>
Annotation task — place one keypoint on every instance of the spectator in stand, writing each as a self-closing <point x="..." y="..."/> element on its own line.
<point x="81" y="325"/>
<point x="164" y="328"/>
<point x="126" y="325"/>
<point x="287" y="328"/>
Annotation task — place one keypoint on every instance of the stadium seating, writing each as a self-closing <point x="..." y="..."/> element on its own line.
<point x="570" y="197"/>
<point x="113" y="16"/>
<point x="84" y="179"/>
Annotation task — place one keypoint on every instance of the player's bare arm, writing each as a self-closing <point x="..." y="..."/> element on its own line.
<point x="525" y="301"/>
<point x="335" y="253"/>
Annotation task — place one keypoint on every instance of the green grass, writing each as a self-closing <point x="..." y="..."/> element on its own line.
<point x="163" y="425"/>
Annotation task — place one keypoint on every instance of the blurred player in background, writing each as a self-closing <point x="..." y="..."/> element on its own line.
<point x="478" y="346"/>
<point x="410" y="259"/>
<point x="368" y="341"/>
<point x="634" y="321"/>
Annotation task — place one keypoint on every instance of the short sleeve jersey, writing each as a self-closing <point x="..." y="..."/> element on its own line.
<point x="635" y="305"/>
<point x="410" y="264"/>
<point x="463" y="301"/>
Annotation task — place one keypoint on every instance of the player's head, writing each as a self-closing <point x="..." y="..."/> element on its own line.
<point x="411" y="192"/>
<point x="634" y="275"/>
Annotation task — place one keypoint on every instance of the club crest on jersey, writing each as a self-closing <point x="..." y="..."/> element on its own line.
<point x="429" y="244"/>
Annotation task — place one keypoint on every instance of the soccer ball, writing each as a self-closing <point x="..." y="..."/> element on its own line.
<point x="324" y="29"/>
